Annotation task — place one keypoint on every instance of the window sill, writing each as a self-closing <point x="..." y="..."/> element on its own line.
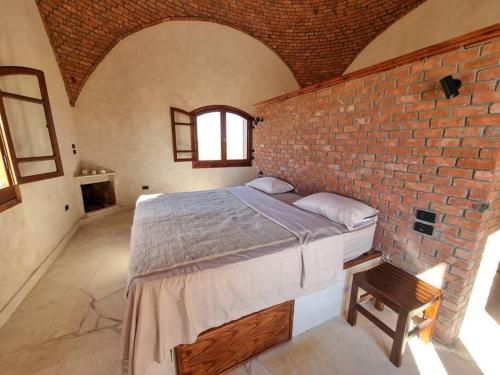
<point x="221" y="165"/>
<point x="9" y="204"/>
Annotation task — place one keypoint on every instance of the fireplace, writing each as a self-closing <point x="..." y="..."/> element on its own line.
<point x="98" y="195"/>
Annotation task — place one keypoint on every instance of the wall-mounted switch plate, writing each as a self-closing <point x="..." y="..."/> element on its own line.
<point x="426" y="216"/>
<point x="423" y="228"/>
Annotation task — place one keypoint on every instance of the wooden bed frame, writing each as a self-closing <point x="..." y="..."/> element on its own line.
<point x="221" y="348"/>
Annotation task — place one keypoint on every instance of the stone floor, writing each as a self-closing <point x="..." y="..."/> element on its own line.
<point x="70" y="324"/>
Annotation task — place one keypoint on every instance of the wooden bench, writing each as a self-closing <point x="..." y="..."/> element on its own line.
<point x="403" y="293"/>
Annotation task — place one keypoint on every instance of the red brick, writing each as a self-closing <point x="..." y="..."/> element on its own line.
<point x="448" y="162"/>
<point x="489" y="73"/>
<point x="459" y="56"/>
<point x="489" y="120"/>
<point x="442" y="142"/>
<point x="446" y="209"/>
<point x="451" y="191"/>
<point x="428" y="133"/>
<point x="462" y="132"/>
<point x="482" y="142"/>
<point x="469" y="111"/>
<point x="421" y="106"/>
<point x="447" y="122"/>
<point x="486" y="97"/>
<point x="493" y="47"/>
<point x="476" y="164"/>
<point x="464" y="152"/>
<point x="437" y="113"/>
<point x="479" y="63"/>
<point x="454" y="172"/>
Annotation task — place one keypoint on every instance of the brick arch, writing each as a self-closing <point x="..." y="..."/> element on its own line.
<point x="317" y="39"/>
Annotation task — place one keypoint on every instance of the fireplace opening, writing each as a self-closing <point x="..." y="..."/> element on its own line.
<point x="98" y="196"/>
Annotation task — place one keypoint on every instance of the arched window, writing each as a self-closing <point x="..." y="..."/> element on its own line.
<point x="212" y="137"/>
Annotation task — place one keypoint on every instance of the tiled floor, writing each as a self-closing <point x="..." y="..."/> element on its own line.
<point x="70" y="324"/>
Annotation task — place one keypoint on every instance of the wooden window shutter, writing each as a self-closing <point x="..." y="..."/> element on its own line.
<point x="182" y="135"/>
<point x="28" y="125"/>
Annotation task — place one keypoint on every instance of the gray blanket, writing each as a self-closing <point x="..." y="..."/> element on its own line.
<point x="171" y="230"/>
<point x="179" y="229"/>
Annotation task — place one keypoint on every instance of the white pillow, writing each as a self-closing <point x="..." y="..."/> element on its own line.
<point x="343" y="210"/>
<point x="270" y="185"/>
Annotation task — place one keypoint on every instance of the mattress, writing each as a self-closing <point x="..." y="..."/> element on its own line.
<point x="358" y="242"/>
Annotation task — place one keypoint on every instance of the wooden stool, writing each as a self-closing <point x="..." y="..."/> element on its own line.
<point x="403" y="293"/>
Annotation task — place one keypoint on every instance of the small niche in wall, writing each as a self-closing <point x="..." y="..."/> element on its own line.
<point x="98" y="195"/>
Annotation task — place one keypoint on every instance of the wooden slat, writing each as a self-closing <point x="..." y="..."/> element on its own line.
<point x="22" y="97"/>
<point x="35" y="158"/>
<point x="451" y="44"/>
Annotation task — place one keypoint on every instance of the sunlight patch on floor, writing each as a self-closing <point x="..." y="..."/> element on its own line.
<point x="426" y="358"/>
<point x="480" y="333"/>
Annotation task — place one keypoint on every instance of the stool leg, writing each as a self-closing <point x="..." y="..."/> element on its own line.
<point x="400" y="337"/>
<point x="426" y="334"/>
<point x="352" y="313"/>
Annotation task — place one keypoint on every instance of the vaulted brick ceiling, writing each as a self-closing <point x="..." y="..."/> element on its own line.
<point x="317" y="39"/>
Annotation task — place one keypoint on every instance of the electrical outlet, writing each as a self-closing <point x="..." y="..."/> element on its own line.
<point x="66" y="208"/>
<point x="386" y="257"/>
<point x="74" y="152"/>
<point x="145" y="187"/>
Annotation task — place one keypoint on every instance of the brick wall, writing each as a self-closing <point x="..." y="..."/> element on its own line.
<point x="394" y="141"/>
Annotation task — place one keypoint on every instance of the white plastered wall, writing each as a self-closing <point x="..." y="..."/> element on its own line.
<point x="31" y="231"/>
<point x="122" y="113"/>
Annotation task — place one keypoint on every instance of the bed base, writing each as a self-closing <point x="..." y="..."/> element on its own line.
<point x="229" y="345"/>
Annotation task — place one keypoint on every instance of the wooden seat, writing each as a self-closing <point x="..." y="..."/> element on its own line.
<point x="403" y="293"/>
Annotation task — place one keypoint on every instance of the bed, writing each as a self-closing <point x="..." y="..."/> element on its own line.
<point x="200" y="260"/>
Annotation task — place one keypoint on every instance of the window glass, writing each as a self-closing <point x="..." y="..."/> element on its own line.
<point x="37" y="167"/>
<point x="21" y="84"/>
<point x="4" y="181"/>
<point x="28" y="127"/>
<point x="236" y="137"/>
<point x="208" y="129"/>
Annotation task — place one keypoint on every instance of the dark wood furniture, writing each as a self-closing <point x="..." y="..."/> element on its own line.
<point x="406" y="295"/>
<point x="222" y="348"/>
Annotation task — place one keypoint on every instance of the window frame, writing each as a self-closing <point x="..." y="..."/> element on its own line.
<point x="10" y="195"/>
<point x="223" y="163"/>
<point x="8" y="141"/>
